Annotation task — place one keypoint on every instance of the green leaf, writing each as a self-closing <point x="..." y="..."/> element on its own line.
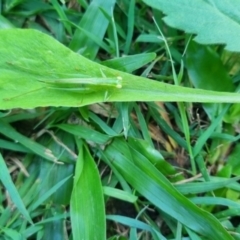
<point x="96" y="24"/>
<point x="119" y="194"/>
<point x="85" y="133"/>
<point x="56" y="228"/>
<point x="5" y="23"/>
<point x="214" y="22"/>
<point x="7" y="130"/>
<point x="149" y="182"/>
<point x="206" y="71"/>
<point x="194" y="188"/>
<point x="21" y="68"/>
<point x="47" y="194"/>
<point x="13" y="192"/>
<point x="50" y="174"/>
<point x="130" y="63"/>
<point x="12" y="234"/>
<point x="87" y="202"/>
<point x="130" y="222"/>
<point x="215" y="201"/>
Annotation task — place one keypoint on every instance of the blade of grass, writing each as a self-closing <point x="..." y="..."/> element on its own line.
<point x="130" y="222"/>
<point x="181" y="107"/>
<point x="148" y="181"/>
<point x="130" y="63"/>
<point x="194" y="188"/>
<point x="14" y="235"/>
<point x="87" y="202"/>
<point x="47" y="194"/>
<point x="13" y="192"/>
<point x="85" y="133"/>
<point x="95" y="23"/>
<point x="115" y="36"/>
<point x="119" y="194"/>
<point x="62" y="15"/>
<point x="7" y="130"/>
<point x="215" y="201"/>
<point x="207" y="133"/>
<point x="143" y="125"/>
<point x="130" y="26"/>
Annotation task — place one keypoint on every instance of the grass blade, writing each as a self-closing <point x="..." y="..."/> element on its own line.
<point x="9" y="185"/>
<point x="148" y="181"/>
<point x="95" y="23"/>
<point x="87" y="203"/>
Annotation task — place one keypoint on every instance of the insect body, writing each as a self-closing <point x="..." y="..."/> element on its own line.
<point x="87" y="84"/>
<point x="78" y="84"/>
<point x="69" y="82"/>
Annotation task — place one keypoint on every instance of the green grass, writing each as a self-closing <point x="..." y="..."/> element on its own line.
<point x="116" y="170"/>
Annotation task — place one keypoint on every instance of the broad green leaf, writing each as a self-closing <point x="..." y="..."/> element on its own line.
<point x="214" y="22"/>
<point x="21" y="67"/>
<point x="206" y="70"/>
<point x="87" y="203"/>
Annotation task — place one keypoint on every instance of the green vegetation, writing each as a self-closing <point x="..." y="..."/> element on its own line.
<point x="116" y="123"/>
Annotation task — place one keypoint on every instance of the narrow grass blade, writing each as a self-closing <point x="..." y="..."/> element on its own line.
<point x="206" y="135"/>
<point x="194" y="188"/>
<point x="143" y="125"/>
<point x="130" y="25"/>
<point x="85" y="133"/>
<point x="130" y="222"/>
<point x="95" y="23"/>
<point x="13" y="146"/>
<point x="102" y="124"/>
<point x="5" y="23"/>
<point x="7" y="130"/>
<point x="13" y="192"/>
<point x="119" y="194"/>
<point x="46" y="195"/>
<point x="12" y="234"/>
<point x="62" y="15"/>
<point x="215" y="201"/>
<point x="130" y="63"/>
<point x="148" y="181"/>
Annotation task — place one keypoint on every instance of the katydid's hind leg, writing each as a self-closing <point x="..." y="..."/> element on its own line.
<point x="103" y="75"/>
<point x="23" y="94"/>
<point x="80" y="102"/>
<point x="106" y="96"/>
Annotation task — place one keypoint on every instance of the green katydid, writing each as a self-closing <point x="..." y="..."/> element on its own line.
<point x="77" y="82"/>
<point x="83" y="84"/>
